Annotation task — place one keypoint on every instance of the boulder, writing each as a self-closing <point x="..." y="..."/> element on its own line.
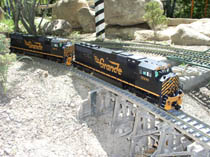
<point x="201" y="26"/>
<point x="86" y="18"/>
<point x="125" y="12"/>
<point x="185" y="35"/>
<point x="126" y="33"/>
<point x="178" y="21"/>
<point x="57" y="27"/>
<point x="149" y="34"/>
<point x="68" y="10"/>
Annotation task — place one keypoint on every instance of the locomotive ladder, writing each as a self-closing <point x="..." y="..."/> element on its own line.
<point x="171" y="124"/>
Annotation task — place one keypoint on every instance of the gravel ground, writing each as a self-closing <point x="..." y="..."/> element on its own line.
<point x="38" y="115"/>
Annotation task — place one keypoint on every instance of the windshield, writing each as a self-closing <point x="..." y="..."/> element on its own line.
<point x="159" y="73"/>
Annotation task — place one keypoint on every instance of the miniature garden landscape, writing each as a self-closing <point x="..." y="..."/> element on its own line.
<point x="42" y="101"/>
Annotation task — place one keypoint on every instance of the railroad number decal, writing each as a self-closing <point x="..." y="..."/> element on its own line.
<point x="112" y="67"/>
<point x="35" y="45"/>
<point x="144" y="78"/>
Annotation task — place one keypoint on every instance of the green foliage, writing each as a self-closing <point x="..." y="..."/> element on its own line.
<point x="5" y="61"/>
<point x="154" y="15"/>
<point x="6" y="25"/>
<point x="183" y="9"/>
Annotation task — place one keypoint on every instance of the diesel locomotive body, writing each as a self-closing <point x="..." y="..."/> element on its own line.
<point x="150" y="79"/>
<point x="59" y="49"/>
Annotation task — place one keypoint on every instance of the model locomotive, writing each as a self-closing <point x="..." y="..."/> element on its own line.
<point x="58" y="49"/>
<point x="150" y="79"/>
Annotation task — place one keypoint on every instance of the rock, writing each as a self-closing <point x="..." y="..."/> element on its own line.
<point x="188" y="36"/>
<point x="201" y="26"/>
<point x="86" y="19"/>
<point x="126" y="33"/>
<point x="124" y="12"/>
<point x="68" y="10"/>
<point x="149" y="34"/>
<point x="178" y="21"/>
<point x="57" y="27"/>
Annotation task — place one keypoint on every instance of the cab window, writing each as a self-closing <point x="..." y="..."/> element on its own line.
<point x="55" y="45"/>
<point x="156" y="74"/>
<point x="146" y="73"/>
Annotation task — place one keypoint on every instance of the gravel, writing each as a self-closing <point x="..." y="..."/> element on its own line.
<point x="38" y="115"/>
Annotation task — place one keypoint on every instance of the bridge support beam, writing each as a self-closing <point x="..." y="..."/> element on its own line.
<point x="147" y="134"/>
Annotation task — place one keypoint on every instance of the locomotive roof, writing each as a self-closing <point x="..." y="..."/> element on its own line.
<point x="152" y="64"/>
<point x="58" y="40"/>
<point x="144" y="62"/>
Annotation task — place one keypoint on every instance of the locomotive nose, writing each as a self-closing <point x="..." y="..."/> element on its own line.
<point x="171" y="95"/>
<point x="170" y="86"/>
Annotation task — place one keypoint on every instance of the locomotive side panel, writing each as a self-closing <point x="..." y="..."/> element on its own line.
<point x="106" y="62"/>
<point x="38" y="46"/>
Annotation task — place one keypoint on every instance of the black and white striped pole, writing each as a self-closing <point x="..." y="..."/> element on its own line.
<point x="99" y="19"/>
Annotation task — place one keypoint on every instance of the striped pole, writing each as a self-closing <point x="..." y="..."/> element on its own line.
<point x="99" y="18"/>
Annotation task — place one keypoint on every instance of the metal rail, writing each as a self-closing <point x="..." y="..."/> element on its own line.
<point x="198" y="58"/>
<point x="186" y="124"/>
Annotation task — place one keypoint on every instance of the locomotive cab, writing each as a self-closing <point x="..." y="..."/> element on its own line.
<point x="63" y="46"/>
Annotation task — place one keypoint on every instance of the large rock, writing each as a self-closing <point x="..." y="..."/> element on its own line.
<point x="185" y="35"/>
<point x="178" y="21"/>
<point x="126" y="33"/>
<point x="138" y="33"/>
<point x="68" y="10"/>
<point x="202" y="26"/>
<point x="57" y="27"/>
<point x="86" y="18"/>
<point x="162" y="35"/>
<point x="125" y="12"/>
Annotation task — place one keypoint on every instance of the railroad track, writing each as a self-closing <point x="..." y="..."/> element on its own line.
<point x="201" y="97"/>
<point x="198" y="58"/>
<point x="186" y="124"/>
<point x="193" y="57"/>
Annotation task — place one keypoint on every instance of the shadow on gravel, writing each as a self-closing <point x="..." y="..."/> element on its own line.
<point x="112" y="144"/>
<point x="52" y="67"/>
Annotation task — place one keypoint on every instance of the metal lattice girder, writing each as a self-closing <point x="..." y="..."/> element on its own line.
<point x="123" y="116"/>
<point x="187" y="125"/>
<point x="144" y="126"/>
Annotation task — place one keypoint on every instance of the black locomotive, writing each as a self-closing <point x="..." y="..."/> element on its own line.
<point x="147" y="78"/>
<point x="59" y="49"/>
<point x="150" y="79"/>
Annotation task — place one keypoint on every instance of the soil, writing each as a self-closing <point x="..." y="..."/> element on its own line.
<point x="38" y="115"/>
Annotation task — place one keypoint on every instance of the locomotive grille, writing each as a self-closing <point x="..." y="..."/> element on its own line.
<point x="170" y="86"/>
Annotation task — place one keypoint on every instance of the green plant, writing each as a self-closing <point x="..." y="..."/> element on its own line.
<point x="183" y="9"/>
<point x="154" y="16"/>
<point x="6" y="25"/>
<point x="5" y="61"/>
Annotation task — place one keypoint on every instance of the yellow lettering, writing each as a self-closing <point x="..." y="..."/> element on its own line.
<point x="112" y="67"/>
<point x="36" y="45"/>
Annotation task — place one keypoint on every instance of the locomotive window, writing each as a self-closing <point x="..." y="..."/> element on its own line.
<point x="146" y="73"/>
<point x="55" y="45"/>
<point x="156" y="74"/>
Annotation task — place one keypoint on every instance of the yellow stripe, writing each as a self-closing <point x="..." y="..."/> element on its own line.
<point x="117" y="78"/>
<point x="37" y="52"/>
<point x="165" y="91"/>
<point x="166" y="83"/>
